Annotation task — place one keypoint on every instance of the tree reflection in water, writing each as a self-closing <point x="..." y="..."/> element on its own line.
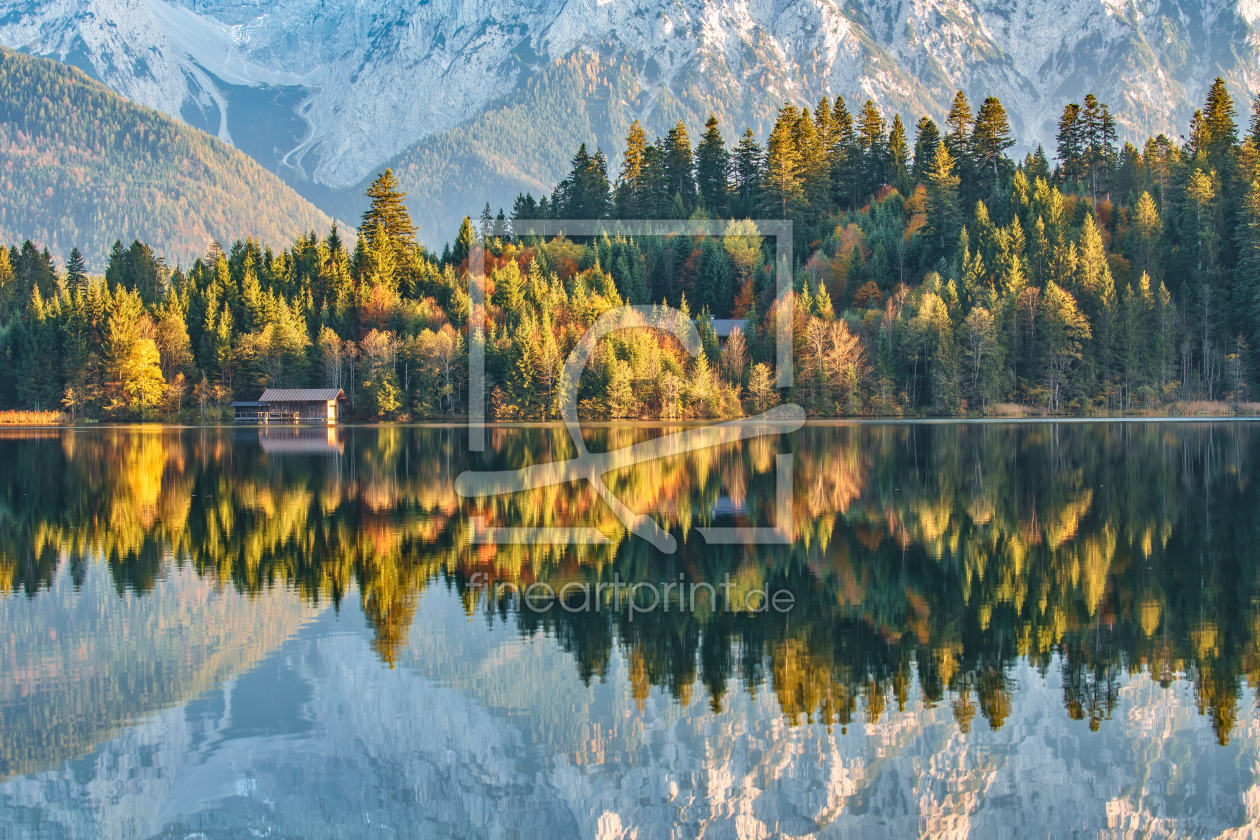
<point x="928" y="556"/>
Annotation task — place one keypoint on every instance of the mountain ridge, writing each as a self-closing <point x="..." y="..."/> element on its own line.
<point x="83" y="166"/>
<point x="369" y="84"/>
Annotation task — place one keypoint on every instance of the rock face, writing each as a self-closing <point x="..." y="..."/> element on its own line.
<point x="479" y="733"/>
<point x="325" y="93"/>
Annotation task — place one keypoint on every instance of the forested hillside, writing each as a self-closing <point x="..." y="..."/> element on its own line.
<point x="934" y="276"/>
<point x="82" y="167"/>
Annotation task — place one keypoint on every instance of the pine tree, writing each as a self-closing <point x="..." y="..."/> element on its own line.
<point x="899" y="154"/>
<point x="1071" y="148"/>
<point x="487" y="224"/>
<point x="465" y="242"/>
<point x="388" y="207"/>
<point x="812" y="167"/>
<point x="76" y="272"/>
<point x="958" y="140"/>
<point x="747" y="166"/>
<point x="630" y="176"/>
<point x="943" y="216"/>
<point x="679" y="166"/>
<point x="1062" y="332"/>
<point x="781" y="184"/>
<point x="1098" y="135"/>
<point x="1147" y="227"/>
<point x="713" y="165"/>
<point x="926" y="138"/>
<point x="871" y="140"/>
<point x="991" y="137"/>
<point x="1218" y="121"/>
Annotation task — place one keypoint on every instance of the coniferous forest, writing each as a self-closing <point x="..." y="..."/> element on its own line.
<point x="935" y="275"/>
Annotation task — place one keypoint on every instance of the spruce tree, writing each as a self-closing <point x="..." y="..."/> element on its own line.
<point x="388" y="206"/>
<point x="943" y="216"/>
<point x="1098" y="135"/>
<point x="76" y="272"/>
<point x="1218" y="120"/>
<point x="926" y="138"/>
<point x="487" y="224"/>
<point x="991" y="137"/>
<point x="679" y="165"/>
<point x="747" y="168"/>
<point x="958" y="121"/>
<point x="898" y="152"/>
<point x="713" y="165"/>
<point x="781" y="186"/>
<point x="630" y="176"/>
<point x="871" y="140"/>
<point x="811" y="167"/>
<point x="465" y="242"/>
<point x="1071" y="145"/>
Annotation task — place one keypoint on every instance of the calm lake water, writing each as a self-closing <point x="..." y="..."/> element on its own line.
<point x="987" y="630"/>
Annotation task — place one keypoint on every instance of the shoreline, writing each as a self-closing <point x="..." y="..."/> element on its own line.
<point x="821" y="422"/>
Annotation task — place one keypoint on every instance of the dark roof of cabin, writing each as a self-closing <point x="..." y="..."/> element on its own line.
<point x="245" y="404"/>
<point x="274" y="395"/>
<point x="723" y="326"/>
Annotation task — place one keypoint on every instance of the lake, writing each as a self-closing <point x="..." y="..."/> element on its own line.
<point x="868" y="630"/>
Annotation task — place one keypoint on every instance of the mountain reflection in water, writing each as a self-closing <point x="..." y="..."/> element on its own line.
<point x="943" y="575"/>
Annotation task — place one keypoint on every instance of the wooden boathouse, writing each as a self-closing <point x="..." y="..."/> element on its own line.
<point x="292" y="405"/>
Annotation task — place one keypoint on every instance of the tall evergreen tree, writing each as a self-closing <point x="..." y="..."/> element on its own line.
<point x="1071" y="145"/>
<point x="630" y="176"/>
<point x="943" y="215"/>
<point x="1221" y="130"/>
<point x="747" y="166"/>
<point x="898" y="153"/>
<point x="76" y="271"/>
<point x="465" y="242"/>
<point x="990" y="138"/>
<point x="958" y="121"/>
<point x="679" y="166"/>
<point x="388" y="207"/>
<point x="1098" y="137"/>
<point x="871" y="139"/>
<point x="713" y="164"/>
<point x="781" y="185"/>
<point x="926" y="138"/>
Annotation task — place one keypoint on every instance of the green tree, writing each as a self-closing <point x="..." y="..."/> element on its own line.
<point x="899" y="153"/>
<point x="943" y="216"/>
<point x="679" y="166"/>
<point x="388" y="208"/>
<point x="1062" y="332"/>
<point x="926" y="138"/>
<point x="76" y="272"/>
<point x="747" y="170"/>
<point x="630" y="178"/>
<point x="464" y="243"/>
<point x="781" y="183"/>
<point x="713" y="164"/>
<point x="991" y="137"/>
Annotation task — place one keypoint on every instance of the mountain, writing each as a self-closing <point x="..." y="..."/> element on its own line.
<point x="327" y="94"/>
<point x="81" y="166"/>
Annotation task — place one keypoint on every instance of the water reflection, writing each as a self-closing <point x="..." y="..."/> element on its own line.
<point x="930" y="564"/>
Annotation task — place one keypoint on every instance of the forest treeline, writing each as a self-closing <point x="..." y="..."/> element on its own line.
<point x="933" y="275"/>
